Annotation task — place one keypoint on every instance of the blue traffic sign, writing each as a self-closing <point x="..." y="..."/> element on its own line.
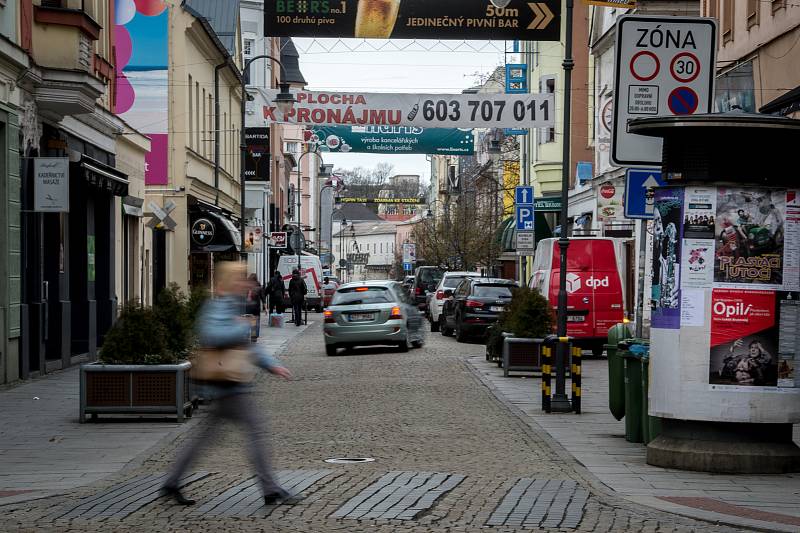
<point x="523" y="195"/>
<point x="407" y="267"/>
<point x="524" y="217"/>
<point x="639" y="196"/>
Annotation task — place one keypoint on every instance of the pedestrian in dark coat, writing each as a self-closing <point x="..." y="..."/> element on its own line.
<point x="297" y="295"/>
<point x="275" y="290"/>
<point x="256" y="301"/>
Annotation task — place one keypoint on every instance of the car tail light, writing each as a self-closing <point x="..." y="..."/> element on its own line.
<point x="440" y="294"/>
<point x="418" y="291"/>
<point x="474" y="303"/>
<point x="396" y="313"/>
<point x="328" y="317"/>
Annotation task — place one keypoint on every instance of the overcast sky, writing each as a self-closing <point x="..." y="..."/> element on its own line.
<point x="399" y="66"/>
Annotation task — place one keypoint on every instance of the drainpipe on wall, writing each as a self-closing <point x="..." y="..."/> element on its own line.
<point x="216" y="130"/>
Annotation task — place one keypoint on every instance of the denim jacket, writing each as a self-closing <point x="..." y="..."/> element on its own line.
<point x="219" y="325"/>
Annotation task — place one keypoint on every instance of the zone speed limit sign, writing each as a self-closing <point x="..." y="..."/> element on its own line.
<point x="664" y="66"/>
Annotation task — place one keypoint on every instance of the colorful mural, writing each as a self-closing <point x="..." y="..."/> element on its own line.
<point x="140" y="39"/>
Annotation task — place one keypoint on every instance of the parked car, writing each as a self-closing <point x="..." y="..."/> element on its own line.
<point x="372" y="313"/>
<point x="408" y="282"/>
<point x="474" y="305"/>
<point x="425" y="280"/>
<point x="435" y="299"/>
<point x="595" y="286"/>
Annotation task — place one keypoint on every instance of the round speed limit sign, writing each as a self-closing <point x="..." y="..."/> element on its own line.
<point x="685" y="67"/>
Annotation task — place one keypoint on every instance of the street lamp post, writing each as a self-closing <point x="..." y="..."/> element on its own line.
<point x="334" y="185"/>
<point x="299" y="241"/>
<point x="284" y="102"/>
<point x="560" y="402"/>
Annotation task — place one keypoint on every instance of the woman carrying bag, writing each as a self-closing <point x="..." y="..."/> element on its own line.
<point x="226" y="365"/>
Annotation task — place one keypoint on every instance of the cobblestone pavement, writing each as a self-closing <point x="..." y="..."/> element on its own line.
<point x="432" y="427"/>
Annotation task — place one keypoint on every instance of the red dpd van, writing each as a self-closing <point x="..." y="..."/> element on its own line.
<point x="595" y="292"/>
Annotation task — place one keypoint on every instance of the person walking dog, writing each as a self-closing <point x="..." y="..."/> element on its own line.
<point x="225" y="366"/>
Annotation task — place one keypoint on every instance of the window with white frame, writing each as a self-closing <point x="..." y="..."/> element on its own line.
<point x="247" y="48"/>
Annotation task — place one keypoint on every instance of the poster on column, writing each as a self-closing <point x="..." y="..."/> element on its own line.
<point x="667" y="229"/>
<point x="791" y="249"/>
<point x="753" y="339"/>
<point x="749" y="229"/>
<point x="140" y="39"/>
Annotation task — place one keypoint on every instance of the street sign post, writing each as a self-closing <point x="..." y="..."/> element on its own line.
<point x="664" y="66"/>
<point x="639" y="196"/>
<point x="526" y="243"/>
<point x="524" y="207"/>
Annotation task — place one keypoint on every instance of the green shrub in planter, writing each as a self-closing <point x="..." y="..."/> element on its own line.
<point x="527" y="316"/>
<point x="173" y="311"/>
<point x="137" y="338"/>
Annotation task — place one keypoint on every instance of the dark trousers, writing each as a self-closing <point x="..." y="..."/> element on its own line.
<point x="276" y="304"/>
<point x="297" y="312"/>
<point x="235" y="408"/>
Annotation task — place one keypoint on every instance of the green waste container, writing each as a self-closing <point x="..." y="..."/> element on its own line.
<point x="633" y="390"/>
<point x="616" y="370"/>
<point x="651" y="425"/>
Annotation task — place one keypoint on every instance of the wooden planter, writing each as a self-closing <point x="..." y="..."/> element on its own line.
<point x="522" y="355"/>
<point x="136" y="389"/>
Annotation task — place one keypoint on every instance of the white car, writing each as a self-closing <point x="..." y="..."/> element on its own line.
<point x="449" y="281"/>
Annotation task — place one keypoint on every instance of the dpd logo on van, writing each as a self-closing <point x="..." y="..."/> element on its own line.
<point x="573" y="283"/>
<point x="594" y="282"/>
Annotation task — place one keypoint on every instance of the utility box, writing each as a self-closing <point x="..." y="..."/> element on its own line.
<point x="725" y="304"/>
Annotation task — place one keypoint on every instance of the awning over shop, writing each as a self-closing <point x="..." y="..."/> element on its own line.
<point x="132" y="206"/>
<point x="212" y="231"/>
<point x="102" y="176"/>
<point x="507" y="231"/>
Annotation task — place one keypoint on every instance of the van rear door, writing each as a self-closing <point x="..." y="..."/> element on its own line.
<point x="608" y="303"/>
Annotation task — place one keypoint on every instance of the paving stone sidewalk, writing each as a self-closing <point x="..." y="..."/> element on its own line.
<point x="596" y="440"/>
<point x="45" y="450"/>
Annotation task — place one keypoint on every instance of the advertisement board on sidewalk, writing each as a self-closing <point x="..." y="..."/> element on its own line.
<point x="421" y="110"/>
<point x="414" y="19"/>
<point x="393" y="140"/>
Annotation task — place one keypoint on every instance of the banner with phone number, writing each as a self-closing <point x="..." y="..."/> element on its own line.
<point x="423" y="110"/>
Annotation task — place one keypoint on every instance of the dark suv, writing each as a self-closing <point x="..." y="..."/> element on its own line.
<point x="426" y="278"/>
<point x="475" y="305"/>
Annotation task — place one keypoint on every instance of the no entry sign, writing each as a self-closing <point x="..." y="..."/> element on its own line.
<point x="664" y="66"/>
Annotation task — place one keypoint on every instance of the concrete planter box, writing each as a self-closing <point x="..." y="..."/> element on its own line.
<point x="522" y="355"/>
<point x="135" y="389"/>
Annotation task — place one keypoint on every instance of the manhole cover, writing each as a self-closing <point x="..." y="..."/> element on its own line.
<point x="349" y="460"/>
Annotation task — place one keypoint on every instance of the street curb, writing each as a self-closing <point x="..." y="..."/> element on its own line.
<point x="632" y="504"/>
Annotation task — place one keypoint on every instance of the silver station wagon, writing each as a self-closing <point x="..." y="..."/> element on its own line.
<point x="372" y="313"/>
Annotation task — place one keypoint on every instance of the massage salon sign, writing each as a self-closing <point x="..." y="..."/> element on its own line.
<point x="421" y="110"/>
<point x="51" y="185"/>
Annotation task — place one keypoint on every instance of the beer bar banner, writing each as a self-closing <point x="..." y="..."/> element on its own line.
<point x="256" y="162"/>
<point x="423" y="110"/>
<point x="393" y="140"/>
<point x="414" y="19"/>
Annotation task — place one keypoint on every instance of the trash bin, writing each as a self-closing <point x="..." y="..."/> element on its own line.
<point x="632" y="352"/>
<point x="651" y="425"/>
<point x="616" y="370"/>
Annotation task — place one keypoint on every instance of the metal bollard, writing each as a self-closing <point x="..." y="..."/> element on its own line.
<point x="547" y="360"/>
<point x="575" y="371"/>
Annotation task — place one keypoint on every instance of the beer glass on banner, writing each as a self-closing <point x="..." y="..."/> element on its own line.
<point x="376" y="18"/>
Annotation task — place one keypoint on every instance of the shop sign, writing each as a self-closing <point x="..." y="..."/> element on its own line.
<point x="202" y="231"/>
<point x="256" y="163"/>
<point x="393" y="140"/>
<point x="414" y="19"/>
<point x="421" y="110"/>
<point x="610" y="202"/>
<point x="51" y="184"/>
<point x="278" y="239"/>
<point x="253" y="241"/>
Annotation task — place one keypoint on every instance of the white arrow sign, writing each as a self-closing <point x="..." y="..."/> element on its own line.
<point x="649" y="202"/>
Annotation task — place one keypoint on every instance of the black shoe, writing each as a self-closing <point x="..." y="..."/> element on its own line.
<point x="282" y="497"/>
<point x="175" y="494"/>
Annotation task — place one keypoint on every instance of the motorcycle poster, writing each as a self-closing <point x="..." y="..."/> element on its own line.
<point x="749" y="235"/>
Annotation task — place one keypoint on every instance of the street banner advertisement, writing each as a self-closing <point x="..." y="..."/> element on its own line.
<point x="366" y="200"/>
<point x="414" y="19"/>
<point x="749" y="229"/>
<point x="667" y="222"/>
<point x="422" y="110"/>
<point x="253" y="239"/>
<point x="753" y="339"/>
<point x="140" y="40"/>
<point x="256" y="163"/>
<point x="51" y="184"/>
<point x="409" y="253"/>
<point x="393" y="140"/>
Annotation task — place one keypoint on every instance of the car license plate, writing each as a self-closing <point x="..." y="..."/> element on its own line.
<point x="497" y="309"/>
<point x="575" y="318"/>
<point x="361" y="317"/>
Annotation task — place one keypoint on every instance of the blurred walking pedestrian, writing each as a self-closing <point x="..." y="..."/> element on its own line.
<point x="256" y="301"/>
<point x="275" y="290"/>
<point x="225" y="365"/>
<point x="297" y="295"/>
